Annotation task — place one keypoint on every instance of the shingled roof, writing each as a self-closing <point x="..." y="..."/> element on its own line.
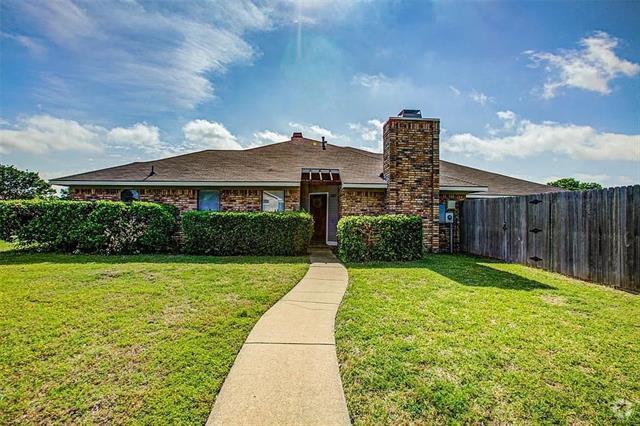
<point x="280" y="164"/>
<point x="497" y="184"/>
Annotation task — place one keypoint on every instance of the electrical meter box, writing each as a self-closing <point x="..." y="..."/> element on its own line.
<point x="448" y="217"/>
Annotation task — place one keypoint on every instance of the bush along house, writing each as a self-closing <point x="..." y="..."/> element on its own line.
<point x="326" y="180"/>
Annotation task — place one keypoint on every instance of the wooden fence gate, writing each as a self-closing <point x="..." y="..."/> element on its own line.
<point x="592" y="235"/>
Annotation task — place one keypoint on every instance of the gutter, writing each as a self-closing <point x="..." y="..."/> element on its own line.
<point x="476" y="196"/>
<point x="364" y="185"/>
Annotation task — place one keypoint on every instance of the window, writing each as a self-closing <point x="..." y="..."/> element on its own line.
<point x="129" y="195"/>
<point x="209" y="200"/>
<point x="273" y="201"/>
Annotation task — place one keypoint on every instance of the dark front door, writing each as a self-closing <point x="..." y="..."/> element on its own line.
<point x="318" y="209"/>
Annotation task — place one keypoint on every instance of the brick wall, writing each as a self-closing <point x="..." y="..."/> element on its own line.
<point x="241" y="200"/>
<point x="183" y="198"/>
<point x="411" y="167"/>
<point x="359" y="202"/>
<point x="292" y="199"/>
<point x="187" y="198"/>
<point x="444" y="227"/>
<point x="94" y="194"/>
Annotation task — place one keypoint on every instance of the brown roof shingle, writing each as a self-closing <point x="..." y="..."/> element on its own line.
<point x="282" y="162"/>
<point x="497" y="184"/>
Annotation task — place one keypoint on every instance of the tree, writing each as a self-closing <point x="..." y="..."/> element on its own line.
<point x="572" y="184"/>
<point x="22" y="184"/>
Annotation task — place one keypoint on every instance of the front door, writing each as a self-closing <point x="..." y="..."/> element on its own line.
<point x="318" y="209"/>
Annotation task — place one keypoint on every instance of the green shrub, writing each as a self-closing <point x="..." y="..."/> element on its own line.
<point x="102" y="226"/>
<point x="10" y="219"/>
<point x="386" y="237"/>
<point x="243" y="233"/>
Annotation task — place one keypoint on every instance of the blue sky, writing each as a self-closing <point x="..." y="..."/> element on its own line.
<point x="537" y="90"/>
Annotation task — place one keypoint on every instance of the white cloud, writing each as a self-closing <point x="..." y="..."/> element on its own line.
<point x="63" y="21"/>
<point x="267" y="137"/>
<point x="372" y="131"/>
<point x="40" y="134"/>
<point x="310" y="12"/>
<point x="369" y="132"/>
<point x="377" y="83"/>
<point x="508" y="118"/>
<point x="159" y="55"/>
<point x="314" y="131"/>
<point x="480" y="97"/>
<point x="370" y="80"/>
<point x="527" y="139"/>
<point x="590" y="68"/>
<point x="602" y="178"/>
<point x="241" y="14"/>
<point x="164" y="55"/>
<point x="474" y="95"/>
<point x="140" y="135"/>
<point x="203" y="134"/>
<point x="628" y="180"/>
<point x="43" y="134"/>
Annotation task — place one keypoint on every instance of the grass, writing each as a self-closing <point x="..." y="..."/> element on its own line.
<point x="126" y="339"/>
<point x="455" y="339"/>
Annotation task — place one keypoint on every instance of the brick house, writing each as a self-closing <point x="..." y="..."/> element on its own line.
<point x="326" y="180"/>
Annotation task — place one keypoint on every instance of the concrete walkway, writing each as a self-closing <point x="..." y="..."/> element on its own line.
<point x="287" y="371"/>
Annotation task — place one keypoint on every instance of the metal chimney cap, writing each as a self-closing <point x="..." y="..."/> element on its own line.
<point x="410" y="113"/>
<point x="296" y="135"/>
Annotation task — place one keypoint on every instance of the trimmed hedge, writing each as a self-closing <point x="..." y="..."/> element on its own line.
<point x="139" y="227"/>
<point x="94" y="227"/>
<point x="386" y="238"/>
<point x="246" y="233"/>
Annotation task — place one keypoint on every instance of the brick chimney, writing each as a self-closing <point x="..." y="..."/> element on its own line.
<point x="412" y="170"/>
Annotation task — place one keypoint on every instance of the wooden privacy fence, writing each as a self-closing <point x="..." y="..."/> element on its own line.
<point x="592" y="235"/>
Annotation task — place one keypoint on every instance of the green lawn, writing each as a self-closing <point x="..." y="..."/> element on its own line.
<point x="454" y="339"/>
<point x="126" y="339"/>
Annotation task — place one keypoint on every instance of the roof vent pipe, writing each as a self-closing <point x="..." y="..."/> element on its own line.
<point x="324" y="144"/>
<point x="152" y="171"/>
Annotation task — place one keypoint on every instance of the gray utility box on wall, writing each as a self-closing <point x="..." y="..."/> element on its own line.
<point x="448" y="217"/>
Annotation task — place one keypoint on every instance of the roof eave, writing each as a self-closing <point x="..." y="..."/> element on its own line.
<point x="135" y="183"/>
<point x="354" y="185"/>
<point x="461" y="188"/>
<point x="483" y="195"/>
<point x="346" y="185"/>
